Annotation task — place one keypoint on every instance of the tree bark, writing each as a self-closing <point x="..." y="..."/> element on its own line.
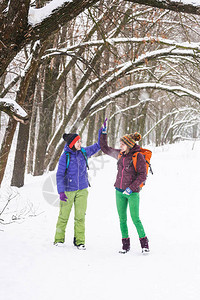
<point x="46" y="117"/>
<point x="6" y="146"/>
<point x="20" y="156"/>
<point x="22" y="142"/>
<point x="90" y="133"/>
<point x="14" y="26"/>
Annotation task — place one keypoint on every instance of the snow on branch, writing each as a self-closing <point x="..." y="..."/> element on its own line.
<point x="130" y="107"/>
<point x="178" y="90"/>
<point x="116" y="41"/>
<point x="14" y="110"/>
<point x="185" y="6"/>
<point x="37" y="15"/>
<point x="174" y="112"/>
<point x="125" y="69"/>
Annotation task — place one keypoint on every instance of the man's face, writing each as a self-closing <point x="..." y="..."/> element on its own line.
<point x="77" y="145"/>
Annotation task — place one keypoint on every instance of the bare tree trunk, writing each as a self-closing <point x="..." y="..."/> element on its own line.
<point x="113" y="128"/>
<point x="6" y="145"/>
<point x="143" y="119"/>
<point x="32" y="137"/>
<point x="90" y="133"/>
<point x="20" y="156"/>
<point x="56" y="156"/>
<point x="159" y="127"/>
<point x="44" y="135"/>
<point x="22" y="142"/>
<point x="195" y="131"/>
<point x="45" y="129"/>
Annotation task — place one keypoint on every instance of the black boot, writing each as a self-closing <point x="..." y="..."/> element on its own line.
<point x="125" y="245"/>
<point x="145" y="245"/>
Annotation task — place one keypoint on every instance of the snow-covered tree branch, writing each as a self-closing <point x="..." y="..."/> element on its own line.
<point x="26" y="23"/>
<point x="177" y="90"/>
<point x="116" y="41"/>
<point x="14" y="110"/>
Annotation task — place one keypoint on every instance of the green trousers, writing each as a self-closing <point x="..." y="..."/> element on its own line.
<point x="79" y="199"/>
<point x="122" y="203"/>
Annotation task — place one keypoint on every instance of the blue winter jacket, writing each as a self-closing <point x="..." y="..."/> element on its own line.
<point x="76" y="177"/>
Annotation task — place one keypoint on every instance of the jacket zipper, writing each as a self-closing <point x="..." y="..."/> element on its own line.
<point x="122" y="174"/>
<point x="78" y="168"/>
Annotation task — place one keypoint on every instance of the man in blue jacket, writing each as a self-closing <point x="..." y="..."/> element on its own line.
<point x="72" y="184"/>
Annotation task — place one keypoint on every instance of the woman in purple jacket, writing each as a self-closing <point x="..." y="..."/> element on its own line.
<point x="72" y="184"/>
<point x="127" y="185"/>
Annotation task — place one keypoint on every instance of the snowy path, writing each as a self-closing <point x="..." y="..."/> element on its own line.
<point x="31" y="268"/>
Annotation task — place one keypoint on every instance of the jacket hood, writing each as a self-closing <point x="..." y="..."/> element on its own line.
<point x="66" y="148"/>
<point x="136" y="148"/>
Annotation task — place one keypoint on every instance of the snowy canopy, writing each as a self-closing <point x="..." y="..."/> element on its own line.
<point x="37" y="15"/>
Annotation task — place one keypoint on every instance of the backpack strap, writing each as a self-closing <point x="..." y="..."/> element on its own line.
<point x="83" y="151"/>
<point x="134" y="160"/>
<point x="147" y="155"/>
<point x="150" y="168"/>
<point x="68" y="156"/>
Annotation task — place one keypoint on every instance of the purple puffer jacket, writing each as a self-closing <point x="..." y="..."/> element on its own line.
<point x="76" y="177"/>
<point x="126" y="176"/>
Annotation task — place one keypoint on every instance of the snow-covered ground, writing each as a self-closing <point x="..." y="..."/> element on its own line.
<point x="32" y="268"/>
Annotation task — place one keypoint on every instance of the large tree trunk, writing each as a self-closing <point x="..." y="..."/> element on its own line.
<point x="45" y="129"/>
<point x="22" y="142"/>
<point x="14" y="27"/>
<point x="30" y="164"/>
<point x="21" y="97"/>
<point x="6" y="146"/>
<point x="20" y="156"/>
<point x="90" y="133"/>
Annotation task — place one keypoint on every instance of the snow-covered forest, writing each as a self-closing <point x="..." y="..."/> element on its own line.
<point x="65" y="66"/>
<point x="138" y="65"/>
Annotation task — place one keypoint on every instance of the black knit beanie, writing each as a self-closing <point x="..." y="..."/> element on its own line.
<point x="71" y="139"/>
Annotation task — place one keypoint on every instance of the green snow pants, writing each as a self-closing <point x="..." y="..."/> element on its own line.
<point x="79" y="198"/>
<point x="122" y="203"/>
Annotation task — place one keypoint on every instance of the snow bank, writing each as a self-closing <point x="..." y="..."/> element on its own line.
<point x="31" y="268"/>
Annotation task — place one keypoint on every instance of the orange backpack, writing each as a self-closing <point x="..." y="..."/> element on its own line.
<point x="147" y="156"/>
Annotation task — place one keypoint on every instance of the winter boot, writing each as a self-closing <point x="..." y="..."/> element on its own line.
<point x="74" y="242"/>
<point x="125" y="246"/>
<point x="81" y="247"/>
<point x="145" y="245"/>
<point x="59" y="244"/>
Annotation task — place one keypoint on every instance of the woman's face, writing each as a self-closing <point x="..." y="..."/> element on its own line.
<point x="124" y="147"/>
<point x="77" y="145"/>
